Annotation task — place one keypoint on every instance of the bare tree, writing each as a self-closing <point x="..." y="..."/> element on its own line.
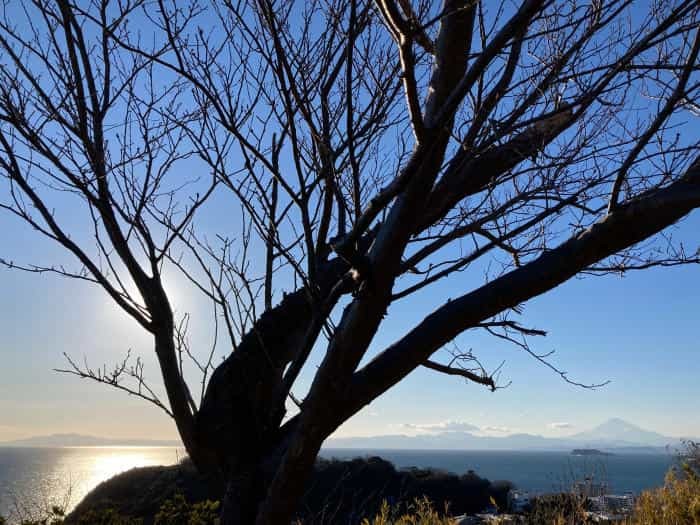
<point x="367" y="150"/>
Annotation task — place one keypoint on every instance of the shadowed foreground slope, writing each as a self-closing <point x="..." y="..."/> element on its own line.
<point x="339" y="491"/>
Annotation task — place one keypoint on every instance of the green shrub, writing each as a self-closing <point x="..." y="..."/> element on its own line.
<point x="178" y="511"/>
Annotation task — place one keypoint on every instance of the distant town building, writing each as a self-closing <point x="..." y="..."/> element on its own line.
<point x="613" y="502"/>
<point x="518" y="501"/>
<point x="589" y="488"/>
<point x="488" y="519"/>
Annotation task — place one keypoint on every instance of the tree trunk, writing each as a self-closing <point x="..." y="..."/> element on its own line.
<point x="241" y="499"/>
<point x="238" y="423"/>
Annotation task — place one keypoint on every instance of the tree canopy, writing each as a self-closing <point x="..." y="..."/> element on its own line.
<point x="353" y="154"/>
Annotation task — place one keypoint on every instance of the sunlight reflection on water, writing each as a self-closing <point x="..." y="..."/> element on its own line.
<point x="36" y="478"/>
<point x="105" y="467"/>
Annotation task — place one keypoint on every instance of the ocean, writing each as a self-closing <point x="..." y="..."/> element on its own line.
<point x="534" y="471"/>
<point x="34" y="478"/>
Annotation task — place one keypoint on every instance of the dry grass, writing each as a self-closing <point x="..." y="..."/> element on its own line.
<point x="421" y="513"/>
<point x="676" y="503"/>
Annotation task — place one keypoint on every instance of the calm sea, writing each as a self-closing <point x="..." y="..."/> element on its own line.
<point x="37" y="477"/>
<point x="537" y="472"/>
<point x="32" y="479"/>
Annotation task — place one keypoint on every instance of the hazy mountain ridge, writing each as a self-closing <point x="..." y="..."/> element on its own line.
<point x="618" y="430"/>
<point x="80" y="440"/>
<point x="614" y="434"/>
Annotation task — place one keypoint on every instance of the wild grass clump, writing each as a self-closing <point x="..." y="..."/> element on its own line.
<point x="678" y="501"/>
<point x="557" y="509"/>
<point x="420" y="512"/>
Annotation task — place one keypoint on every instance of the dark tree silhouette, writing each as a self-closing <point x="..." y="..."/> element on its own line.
<point x="363" y="151"/>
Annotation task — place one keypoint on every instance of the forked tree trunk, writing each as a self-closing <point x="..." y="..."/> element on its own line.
<point x="238" y="423"/>
<point x="250" y="475"/>
<point x="244" y="501"/>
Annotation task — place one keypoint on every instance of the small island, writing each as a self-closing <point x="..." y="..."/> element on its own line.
<point x="589" y="452"/>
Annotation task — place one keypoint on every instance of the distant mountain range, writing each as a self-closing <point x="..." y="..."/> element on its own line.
<point x="79" y="440"/>
<point x="613" y="434"/>
<point x="621" y="433"/>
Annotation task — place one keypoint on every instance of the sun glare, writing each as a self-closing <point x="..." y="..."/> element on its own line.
<point x="109" y="465"/>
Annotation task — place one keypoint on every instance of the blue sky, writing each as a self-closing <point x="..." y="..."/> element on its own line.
<point x="639" y="331"/>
